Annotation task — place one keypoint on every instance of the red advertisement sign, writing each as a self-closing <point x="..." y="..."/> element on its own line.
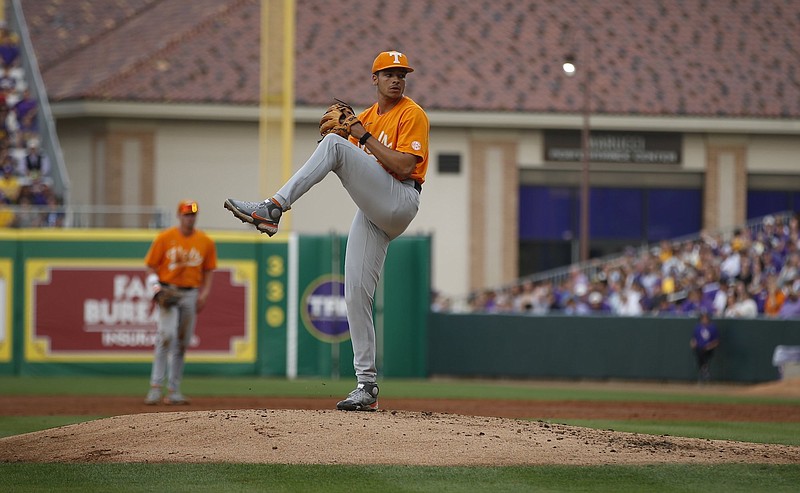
<point x="109" y="310"/>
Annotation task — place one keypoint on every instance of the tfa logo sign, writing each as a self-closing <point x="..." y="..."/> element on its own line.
<point x="324" y="311"/>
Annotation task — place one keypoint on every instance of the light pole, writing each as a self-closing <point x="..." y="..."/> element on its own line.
<point x="583" y="237"/>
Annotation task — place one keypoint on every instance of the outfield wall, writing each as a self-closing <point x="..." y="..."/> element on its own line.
<point x="646" y="348"/>
<point x="76" y="303"/>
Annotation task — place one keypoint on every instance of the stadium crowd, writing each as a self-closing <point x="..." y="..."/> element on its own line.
<point x="27" y="199"/>
<point x="752" y="272"/>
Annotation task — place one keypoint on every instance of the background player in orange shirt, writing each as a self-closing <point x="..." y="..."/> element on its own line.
<point x="180" y="265"/>
<point x="382" y="166"/>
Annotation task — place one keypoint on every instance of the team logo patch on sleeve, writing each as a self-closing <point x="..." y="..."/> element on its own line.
<point x="416" y="145"/>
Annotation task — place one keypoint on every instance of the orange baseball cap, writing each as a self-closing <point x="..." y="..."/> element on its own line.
<point x="390" y="59"/>
<point x="187" y="207"/>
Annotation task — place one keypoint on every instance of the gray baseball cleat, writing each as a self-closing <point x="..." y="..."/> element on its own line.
<point x="175" y="398"/>
<point x="263" y="215"/>
<point x="153" y="396"/>
<point x="363" y="398"/>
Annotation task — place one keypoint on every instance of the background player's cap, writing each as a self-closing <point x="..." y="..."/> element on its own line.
<point x="390" y="59"/>
<point x="187" y="207"/>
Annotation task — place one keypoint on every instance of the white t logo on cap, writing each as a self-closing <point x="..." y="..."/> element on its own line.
<point x="396" y="55"/>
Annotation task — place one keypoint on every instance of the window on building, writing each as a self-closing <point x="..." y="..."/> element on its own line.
<point x="619" y="217"/>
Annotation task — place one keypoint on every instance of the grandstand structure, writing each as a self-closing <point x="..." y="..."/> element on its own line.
<point x="659" y="279"/>
<point x="692" y="108"/>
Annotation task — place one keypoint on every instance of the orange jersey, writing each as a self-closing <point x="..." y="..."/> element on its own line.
<point x="404" y="128"/>
<point x="773" y="304"/>
<point x="182" y="260"/>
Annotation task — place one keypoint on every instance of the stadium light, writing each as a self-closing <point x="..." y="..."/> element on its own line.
<point x="570" y="68"/>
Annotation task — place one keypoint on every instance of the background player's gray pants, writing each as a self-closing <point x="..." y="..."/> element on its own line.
<point x="175" y="331"/>
<point x="386" y="208"/>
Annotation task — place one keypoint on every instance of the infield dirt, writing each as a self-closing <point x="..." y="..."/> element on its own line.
<point x="414" y="432"/>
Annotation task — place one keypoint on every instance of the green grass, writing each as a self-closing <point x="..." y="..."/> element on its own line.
<point x="726" y="478"/>
<point x="780" y="433"/>
<point x="466" y="389"/>
<point x="16" y="425"/>
<point x="197" y="478"/>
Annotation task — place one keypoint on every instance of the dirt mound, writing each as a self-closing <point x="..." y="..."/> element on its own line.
<point x="384" y="437"/>
<point x="789" y="387"/>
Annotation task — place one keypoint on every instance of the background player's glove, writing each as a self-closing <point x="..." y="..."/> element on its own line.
<point x="338" y="119"/>
<point x="167" y="297"/>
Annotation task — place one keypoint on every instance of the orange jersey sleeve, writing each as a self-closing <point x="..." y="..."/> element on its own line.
<point x="182" y="260"/>
<point x="404" y="128"/>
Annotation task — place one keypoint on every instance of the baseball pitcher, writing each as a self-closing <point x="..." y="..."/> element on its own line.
<point x="180" y="265"/>
<point x="381" y="158"/>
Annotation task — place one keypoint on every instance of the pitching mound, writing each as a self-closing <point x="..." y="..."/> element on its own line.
<point x="384" y="437"/>
<point x="789" y="387"/>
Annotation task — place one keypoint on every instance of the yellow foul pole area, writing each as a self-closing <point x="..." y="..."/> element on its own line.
<point x="276" y="98"/>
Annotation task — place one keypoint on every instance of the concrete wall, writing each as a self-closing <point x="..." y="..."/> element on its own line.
<point x="573" y="347"/>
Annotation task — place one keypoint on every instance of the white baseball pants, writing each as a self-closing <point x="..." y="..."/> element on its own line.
<point x="386" y="207"/>
<point x="175" y="331"/>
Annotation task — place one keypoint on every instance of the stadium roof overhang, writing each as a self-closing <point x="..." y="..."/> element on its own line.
<point x="453" y="119"/>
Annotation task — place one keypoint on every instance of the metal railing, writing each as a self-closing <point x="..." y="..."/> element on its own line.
<point x="593" y="267"/>
<point x="89" y="216"/>
<point x="50" y="144"/>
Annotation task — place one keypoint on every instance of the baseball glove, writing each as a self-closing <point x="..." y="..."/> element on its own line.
<point x="167" y="297"/>
<point x="338" y="119"/>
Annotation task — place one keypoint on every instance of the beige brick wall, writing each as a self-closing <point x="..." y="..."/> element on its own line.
<point x="112" y="164"/>
<point x="725" y="193"/>
<point x="494" y="212"/>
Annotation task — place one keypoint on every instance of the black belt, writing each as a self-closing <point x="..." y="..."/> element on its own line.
<point x="179" y="288"/>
